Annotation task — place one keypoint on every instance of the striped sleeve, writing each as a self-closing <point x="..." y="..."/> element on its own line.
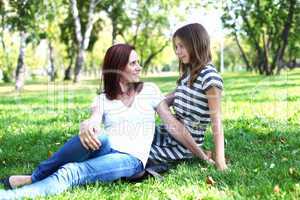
<point x="211" y="78"/>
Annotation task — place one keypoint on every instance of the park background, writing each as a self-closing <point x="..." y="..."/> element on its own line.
<point x="50" y="58"/>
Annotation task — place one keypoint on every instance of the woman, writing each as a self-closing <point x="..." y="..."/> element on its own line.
<point x="127" y="110"/>
<point x="196" y="99"/>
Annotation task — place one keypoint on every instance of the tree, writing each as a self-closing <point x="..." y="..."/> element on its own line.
<point x="25" y="17"/>
<point x="116" y="12"/>
<point x="51" y="30"/>
<point x="150" y="30"/>
<point x="69" y="35"/>
<point x="82" y="38"/>
<point x="267" y="27"/>
<point x="6" y="65"/>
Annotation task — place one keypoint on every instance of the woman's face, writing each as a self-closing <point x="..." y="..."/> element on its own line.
<point x="133" y="68"/>
<point x="181" y="51"/>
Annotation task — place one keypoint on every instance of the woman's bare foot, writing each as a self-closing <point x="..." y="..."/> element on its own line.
<point x="19" y="180"/>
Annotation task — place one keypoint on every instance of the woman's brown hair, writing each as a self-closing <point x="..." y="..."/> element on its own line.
<point x="115" y="61"/>
<point x="196" y="40"/>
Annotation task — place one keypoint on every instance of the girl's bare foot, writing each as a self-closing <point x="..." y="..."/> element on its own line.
<point x="19" y="180"/>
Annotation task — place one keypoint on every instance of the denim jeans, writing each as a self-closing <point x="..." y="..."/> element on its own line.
<point x="73" y="165"/>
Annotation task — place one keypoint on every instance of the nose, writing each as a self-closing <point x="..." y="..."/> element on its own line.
<point x="178" y="51"/>
<point x="138" y="67"/>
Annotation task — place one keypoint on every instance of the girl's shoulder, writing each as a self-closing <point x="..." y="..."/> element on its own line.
<point x="208" y="69"/>
<point x="209" y="77"/>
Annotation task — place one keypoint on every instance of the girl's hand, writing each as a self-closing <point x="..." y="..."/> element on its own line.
<point x="87" y="135"/>
<point x="209" y="159"/>
<point x="221" y="166"/>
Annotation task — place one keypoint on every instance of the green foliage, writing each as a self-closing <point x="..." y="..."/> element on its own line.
<point x="261" y="124"/>
<point x="267" y="26"/>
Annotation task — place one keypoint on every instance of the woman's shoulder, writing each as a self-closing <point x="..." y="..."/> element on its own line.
<point x="101" y="97"/>
<point x="150" y="86"/>
<point x="150" y="89"/>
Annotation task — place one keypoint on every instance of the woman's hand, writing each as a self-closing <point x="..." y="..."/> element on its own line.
<point x="88" y="134"/>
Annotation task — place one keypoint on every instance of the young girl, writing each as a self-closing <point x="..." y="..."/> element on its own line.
<point x="127" y="110"/>
<point x="196" y="99"/>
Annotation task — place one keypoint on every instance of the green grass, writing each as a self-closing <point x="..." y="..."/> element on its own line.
<point x="262" y="129"/>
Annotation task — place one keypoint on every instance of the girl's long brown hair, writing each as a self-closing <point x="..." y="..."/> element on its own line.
<point x="196" y="40"/>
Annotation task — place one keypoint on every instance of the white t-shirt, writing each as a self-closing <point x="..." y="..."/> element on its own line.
<point x="131" y="129"/>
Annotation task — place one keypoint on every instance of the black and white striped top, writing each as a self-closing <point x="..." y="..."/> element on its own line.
<point x="191" y="108"/>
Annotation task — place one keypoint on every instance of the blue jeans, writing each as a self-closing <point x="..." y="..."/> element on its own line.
<point x="73" y="165"/>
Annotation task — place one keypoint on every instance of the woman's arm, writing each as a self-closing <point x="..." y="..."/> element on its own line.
<point x="214" y="103"/>
<point x="89" y="129"/>
<point x="179" y="132"/>
<point x="170" y="98"/>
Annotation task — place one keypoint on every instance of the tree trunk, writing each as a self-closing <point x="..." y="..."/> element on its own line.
<point x="20" y="70"/>
<point x="114" y="31"/>
<point x="152" y="55"/>
<point x="248" y="67"/>
<point x="83" y="42"/>
<point x="266" y="66"/>
<point x="284" y="36"/>
<point x="52" y="72"/>
<point x="78" y="65"/>
<point x="68" y="70"/>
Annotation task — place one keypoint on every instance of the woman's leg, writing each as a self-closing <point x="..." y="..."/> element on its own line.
<point x="71" y="151"/>
<point x="104" y="168"/>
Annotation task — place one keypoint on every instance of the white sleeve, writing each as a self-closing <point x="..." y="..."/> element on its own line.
<point x="97" y="106"/>
<point x="155" y="94"/>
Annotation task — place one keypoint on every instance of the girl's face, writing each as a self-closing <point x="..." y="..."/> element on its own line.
<point x="181" y="51"/>
<point x="133" y="68"/>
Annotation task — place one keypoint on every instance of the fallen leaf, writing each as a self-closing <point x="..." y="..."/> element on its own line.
<point x="282" y="140"/>
<point x="276" y="189"/>
<point x="272" y="165"/>
<point x="210" y="180"/>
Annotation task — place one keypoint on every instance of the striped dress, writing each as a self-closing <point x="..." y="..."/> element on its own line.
<point x="191" y="108"/>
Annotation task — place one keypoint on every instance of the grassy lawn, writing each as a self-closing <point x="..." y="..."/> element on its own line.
<point x="262" y="128"/>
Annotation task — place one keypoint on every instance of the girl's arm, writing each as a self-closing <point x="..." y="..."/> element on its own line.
<point x="214" y="103"/>
<point x="179" y="132"/>
<point x="170" y="98"/>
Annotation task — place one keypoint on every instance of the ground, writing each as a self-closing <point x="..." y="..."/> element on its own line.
<point x="261" y="124"/>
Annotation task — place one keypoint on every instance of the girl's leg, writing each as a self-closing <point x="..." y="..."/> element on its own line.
<point x="71" y="151"/>
<point x="105" y="168"/>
